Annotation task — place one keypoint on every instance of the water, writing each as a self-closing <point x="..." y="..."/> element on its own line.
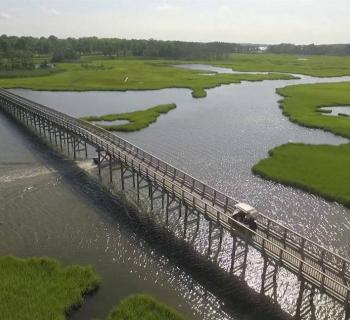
<point x="205" y="67"/>
<point x="110" y="123"/>
<point x="48" y="207"/>
<point x="217" y="139"/>
<point x="335" y="111"/>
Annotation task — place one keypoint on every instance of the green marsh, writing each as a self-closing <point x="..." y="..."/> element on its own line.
<point x="137" y="120"/>
<point x="320" y="169"/>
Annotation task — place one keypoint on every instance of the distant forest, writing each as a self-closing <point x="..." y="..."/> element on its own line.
<point x="19" y="52"/>
<point x="311" y="49"/>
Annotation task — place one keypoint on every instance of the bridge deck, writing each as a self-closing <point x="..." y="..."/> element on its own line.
<point x="327" y="271"/>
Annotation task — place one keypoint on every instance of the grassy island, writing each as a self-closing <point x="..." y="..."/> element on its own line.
<point x="320" y="169"/>
<point x="137" y="120"/>
<point x="130" y="74"/>
<point x="41" y="289"/>
<point x="143" y="307"/>
<point x="302" y="104"/>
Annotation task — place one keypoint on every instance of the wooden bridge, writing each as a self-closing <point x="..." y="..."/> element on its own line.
<point x="316" y="267"/>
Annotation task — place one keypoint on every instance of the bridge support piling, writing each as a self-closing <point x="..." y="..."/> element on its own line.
<point x="305" y="309"/>
<point x="150" y="194"/>
<point x="49" y="131"/>
<point x="138" y="187"/>
<point x="269" y="279"/>
<point x="60" y="135"/>
<point x="39" y="122"/>
<point x="110" y="169"/>
<point x="239" y="255"/>
<point x="68" y="142"/>
<point x="74" y="148"/>
<point x="213" y="227"/>
<point x="219" y="236"/>
<point x="195" y="220"/>
<point x="55" y="136"/>
<point x="122" y="175"/>
<point x="185" y="222"/>
<point x="167" y="209"/>
<point x="98" y="161"/>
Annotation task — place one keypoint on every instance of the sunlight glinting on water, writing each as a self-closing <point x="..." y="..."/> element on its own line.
<point x="47" y="210"/>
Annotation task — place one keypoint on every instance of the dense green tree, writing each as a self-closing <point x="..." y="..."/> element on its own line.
<point x="64" y="48"/>
<point x="311" y="49"/>
<point x="18" y="52"/>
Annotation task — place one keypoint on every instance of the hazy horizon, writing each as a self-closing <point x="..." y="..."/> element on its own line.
<point x="241" y="21"/>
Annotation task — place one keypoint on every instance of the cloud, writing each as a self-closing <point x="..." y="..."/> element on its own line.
<point x="50" y="11"/>
<point x="166" y="7"/>
<point x="4" y="16"/>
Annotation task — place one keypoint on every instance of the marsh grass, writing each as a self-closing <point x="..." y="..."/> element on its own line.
<point x="303" y="103"/>
<point x="143" y="307"/>
<point x="28" y="73"/>
<point x="41" y="288"/>
<point x="138" y="119"/>
<point x="317" y="66"/>
<point x="320" y="169"/>
<point x="141" y="75"/>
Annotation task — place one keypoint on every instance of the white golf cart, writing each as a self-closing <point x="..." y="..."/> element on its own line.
<point x="244" y="213"/>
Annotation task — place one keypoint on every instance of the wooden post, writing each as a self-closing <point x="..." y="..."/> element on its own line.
<point x="122" y="175"/>
<point x="138" y="187"/>
<point x="110" y="169"/>
<point x="98" y="161"/>
<point x="209" y="238"/>
<point x="185" y="221"/>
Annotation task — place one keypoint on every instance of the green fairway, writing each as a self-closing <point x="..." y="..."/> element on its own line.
<point x="321" y="169"/>
<point x="143" y="307"/>
<point x="130" y="74"/>
<point x="138" y="119"/>
<point x="318" y="66"/>
<point x="42" y="289"/>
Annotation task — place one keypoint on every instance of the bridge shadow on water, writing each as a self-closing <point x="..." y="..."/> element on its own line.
<point x="236" y="297"/>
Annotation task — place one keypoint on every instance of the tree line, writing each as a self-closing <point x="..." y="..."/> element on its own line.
<point x="311" y="49"/>
<point x="19" y="51"/>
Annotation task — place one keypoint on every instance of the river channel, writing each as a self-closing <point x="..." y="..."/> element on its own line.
<point x="49" y="207"/>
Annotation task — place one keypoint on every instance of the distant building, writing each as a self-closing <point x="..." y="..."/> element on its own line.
<point x="262" y="48"/>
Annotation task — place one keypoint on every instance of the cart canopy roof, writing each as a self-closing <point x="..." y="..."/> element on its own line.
<point x="247" y="209"/>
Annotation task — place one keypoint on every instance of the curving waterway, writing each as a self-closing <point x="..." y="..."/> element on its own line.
<point x="49" y="207"/>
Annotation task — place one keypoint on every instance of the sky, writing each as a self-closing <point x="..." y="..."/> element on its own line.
<point x="243" y="21"/>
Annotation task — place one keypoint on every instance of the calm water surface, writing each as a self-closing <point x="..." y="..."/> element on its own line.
<point x="217" y="139"/>
<point x="205" y="67"/>
<point x="336" y="110"/>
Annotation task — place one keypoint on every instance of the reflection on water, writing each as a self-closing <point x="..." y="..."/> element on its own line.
<point x="217" y="139"/>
